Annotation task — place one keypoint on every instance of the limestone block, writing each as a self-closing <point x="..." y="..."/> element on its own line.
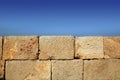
<point x="20" y="47"/>
<point x="28" y="70"/>
<point x="56" y="47"/>
<point x="89" y="47"/>
<point x="112" y="47"/>
<point x="104" y="69"/>
<point x="67" y="70"/>
<point x="1" y="70"/>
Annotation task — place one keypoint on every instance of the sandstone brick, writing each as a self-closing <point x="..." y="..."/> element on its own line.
<point x="67" y="70"/>
<point x="89" y="47"/>
<point x="105" y="69"/>
<point x="0" y="47"/>
<point x="56" y="47"/>
<point x="112" y="47"/>
<point x="28" y="70"/>
<point x="1" y="70"/>
<point x="20" y="47"/>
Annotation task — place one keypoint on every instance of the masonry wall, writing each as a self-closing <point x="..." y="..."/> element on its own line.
<point x="59" y="58"/>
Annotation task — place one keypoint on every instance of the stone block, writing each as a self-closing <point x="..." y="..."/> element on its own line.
<point x="67" y="70"/>
<point x="1" y="70"/>
<point x="112" y="47"/>
<point x="20" y="47"/>
<point x="104" y="69"/>
<point x="89" y="47"/>
<point x="56" y="47"/>
<point x="28" y="70"/>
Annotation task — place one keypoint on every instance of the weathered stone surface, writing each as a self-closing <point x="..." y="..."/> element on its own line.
<point x="0" y="47"/>
<point x="67" y="70"/>
<point x="20" y="47"/>
<point x="28" y="70"/>
<point x="112" y="47"/>
<point x="105" y="69"/>
<point x="56" y="47"/>
<point x="1" y="70"/>
<point x="89" y="47"/>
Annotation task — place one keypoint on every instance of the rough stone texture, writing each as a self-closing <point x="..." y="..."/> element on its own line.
<point x="67" y="70"/>
<point x="89" y="47"/>
<point x="0" y="47"/>
<point x="28" y="70"/>
<point x="105" y="69"/>
<point x="56" y="47"/>
<point x="112" y="47"/>
<point x="1" y="70"/>
<point x="20" y="47"/>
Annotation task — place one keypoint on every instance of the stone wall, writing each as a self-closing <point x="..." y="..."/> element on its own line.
<point x="59" y="58"/>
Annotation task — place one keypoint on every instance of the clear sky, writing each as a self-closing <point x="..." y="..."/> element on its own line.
<point x="60" y="17"/>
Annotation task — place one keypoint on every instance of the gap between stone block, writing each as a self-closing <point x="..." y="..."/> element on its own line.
<point x="74" y="47"/>
<point x="51" y="70"/>
<point x="83" y="71"/>
<point x="4" y="70"/>
<point x="25" y="60"/>
<point x="38" y="49"/>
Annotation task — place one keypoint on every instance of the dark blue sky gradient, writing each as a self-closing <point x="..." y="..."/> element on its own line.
<point x="60" y="17"/>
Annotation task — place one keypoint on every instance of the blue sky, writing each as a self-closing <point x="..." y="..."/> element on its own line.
<point x="60" y="17"/>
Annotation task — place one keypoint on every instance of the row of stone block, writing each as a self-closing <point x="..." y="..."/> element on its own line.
<point x="59" y="47"/>
<point x="102" y="69"/>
